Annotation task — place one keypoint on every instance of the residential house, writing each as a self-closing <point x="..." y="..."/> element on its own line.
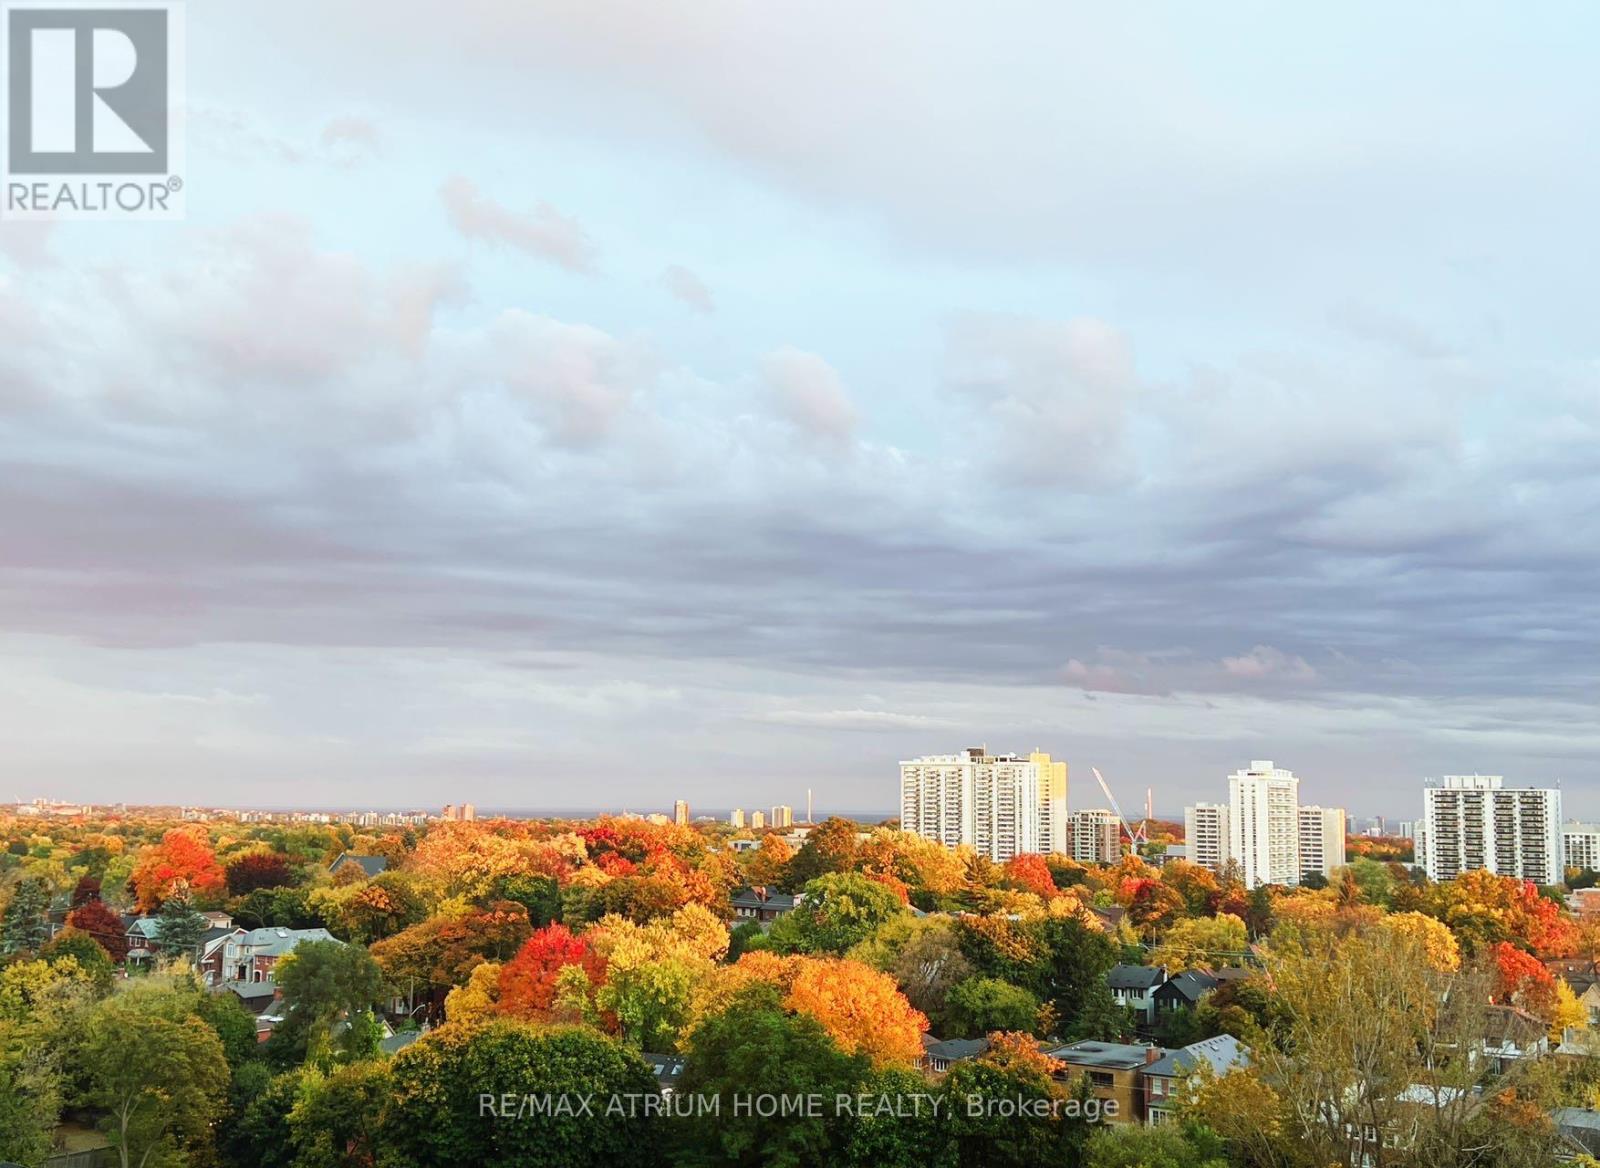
<point x="399" y="1040"/>
<point x="1580" y="1132"/>
<point x="763" y="905"/>
<point x="1183" y="992"/>
<point x="253" y="956"/>
<point x="1511" y="1034"/>
<point x="370" y="865"/>
<point x="1134" y="986"/>
<point x="1112" y="1069"/>
<point x="939" y="1055"/>
<point x="1161" y="1079"/>
<point x="667" y="1068"/>
<point x="144" y="941"/>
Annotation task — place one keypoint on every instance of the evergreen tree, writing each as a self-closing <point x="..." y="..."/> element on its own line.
<point x="179" y="927"/>
<point x="23" y="928"/>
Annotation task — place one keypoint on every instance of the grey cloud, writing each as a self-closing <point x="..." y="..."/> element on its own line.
<point x="688" y="287"/>
<point x="543" y="232"/>
<point x="1055" y="395"/>
<point x="810" y="394"/>
<point x="369" y="498"/>
<point x="868" y="720"/>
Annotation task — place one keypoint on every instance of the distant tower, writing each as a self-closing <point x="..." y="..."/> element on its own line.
<point x="680" y="813"/>
<point x="468" y="812"/>
<point x="808" y="804"/>
<point x="450" y="811"/>
<point x="757" y="820"/>
<point x="736" y="818"/>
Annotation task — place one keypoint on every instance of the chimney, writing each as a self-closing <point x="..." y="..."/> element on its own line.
<point x="761" y="892"/>
<point x="1151" y="1054"/>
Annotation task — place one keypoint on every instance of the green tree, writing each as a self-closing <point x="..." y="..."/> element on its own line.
<point x="30" y="1100"/>
<point x="86" y="951"/>
<point x="840" y="909"/>
<point x="258" y="1133"/>
<point x="322" y="982"/>
<point x="161" y="1081"/>
<point x="337" y="1119"/>
<point x="235" y="1027"/>
<point x="905" y="1131"/>
<point x="23" y="927"/>
<point x="1130" y="1145"/>
<point x="755" y="1047"/>
<point x="980" y="1005"/>
<point x="992" y="1102"/>
<point x="179" y="927"/>
<point x="436" y="1117"/>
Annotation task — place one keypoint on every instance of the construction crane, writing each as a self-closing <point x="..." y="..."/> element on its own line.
<point x="1135" y="837"/>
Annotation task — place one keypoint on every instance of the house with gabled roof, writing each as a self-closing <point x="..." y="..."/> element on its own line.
<point x="1162" y="1078"/>
<point x="763" y="905"/>
<point x="1134" y="986"/>
<point x="1183" y="992"/>
<point x="370" y="865"/>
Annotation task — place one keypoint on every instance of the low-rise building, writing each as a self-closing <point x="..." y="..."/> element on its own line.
<point x="1162" y="1080"/>
<point x="1134" y="986"/>
<point x="763" y="905"/>
<point x="1183" y="992"/>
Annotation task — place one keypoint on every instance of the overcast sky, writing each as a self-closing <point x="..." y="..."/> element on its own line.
<point x="555" y="404"/>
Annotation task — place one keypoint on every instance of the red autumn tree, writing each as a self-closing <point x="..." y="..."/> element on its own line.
<point x="99" y="922"/>
<point x="258" y="870"/>
<point x="87" y="889"/>
<point x="528" y="980"/>
<point x="1522" y="980"/>
<point x="182" y="860"/>
<point x="1029" y="872"/>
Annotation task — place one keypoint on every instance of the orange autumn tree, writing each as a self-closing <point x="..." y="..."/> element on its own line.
<point x="182" y="861"/>
<point x="1522" y="980"/>
<point x="1482" y="908"/>
<point x="528" y="982"/>
<point x="1029" y="872"/>
<point x="863" y="1010"/>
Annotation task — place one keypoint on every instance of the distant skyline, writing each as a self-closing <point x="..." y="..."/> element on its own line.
<point x="743" y="398"/>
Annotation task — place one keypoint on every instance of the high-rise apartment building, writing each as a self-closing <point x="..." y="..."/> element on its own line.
<point x="782" y="816"/>
<point x="1322" y="836"/>
<point x="1476" y="821"/>
<point x="1205" y="831"/>
<point x="988" y="801"/>
<point x="758" y="820"/>
<point x="469" y="813"/>
<point x="1580" y="845"/>
<point x="1054" y="833"/>
<point x="450" y="815"/>
<point x="1264" y="824"/>
<point x="736" y="818"/>
<point x="680" y="813"/>
<point x="1096" y="836"/>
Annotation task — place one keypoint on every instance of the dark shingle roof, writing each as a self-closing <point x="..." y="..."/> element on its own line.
<point x="1135" y="977"/>
<point x="371" y="865"/>
<point x="1190" y="986"/>
<point x="775" y="901"/>
<point x="955" y="1049"/>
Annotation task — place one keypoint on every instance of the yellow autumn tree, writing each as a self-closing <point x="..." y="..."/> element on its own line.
<point x="1567" y="1012"/>
<point x="1202" y="943"/>
<point x="477" y="998"/>
<point x="1433" y="938"/>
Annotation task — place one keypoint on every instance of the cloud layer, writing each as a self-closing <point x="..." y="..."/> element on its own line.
<point x="1139" y="420"/>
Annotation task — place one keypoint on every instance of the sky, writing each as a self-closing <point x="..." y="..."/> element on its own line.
<point x="553" y="405"/>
